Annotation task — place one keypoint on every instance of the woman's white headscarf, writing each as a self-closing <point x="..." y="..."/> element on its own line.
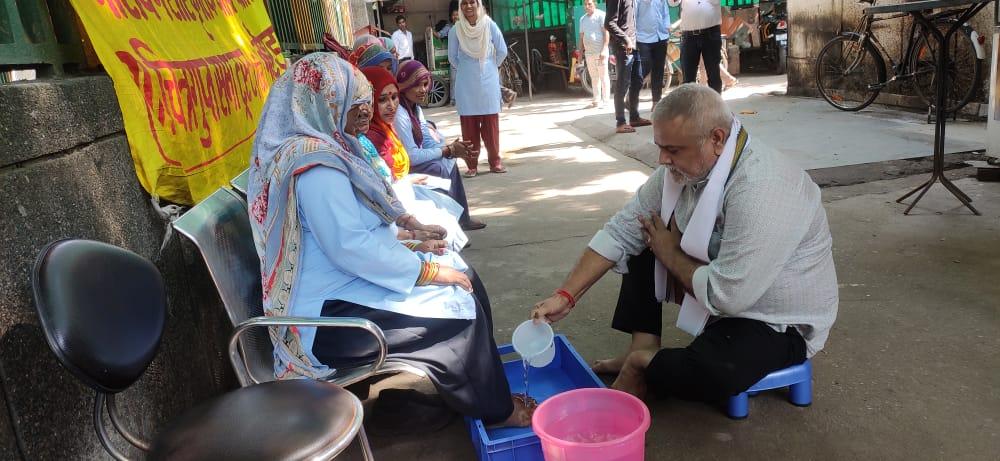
<point x="476" y="40"/>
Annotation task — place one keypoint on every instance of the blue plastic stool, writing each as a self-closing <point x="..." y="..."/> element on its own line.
<point x="798" y="378"/>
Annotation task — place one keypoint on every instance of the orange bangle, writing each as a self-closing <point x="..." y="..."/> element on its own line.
<point x="569" y="297"/>
<point x="428" y="271"/>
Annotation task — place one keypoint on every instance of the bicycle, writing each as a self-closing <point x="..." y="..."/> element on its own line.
<point x="851" y="71"/>
<point x="512" y="72"/>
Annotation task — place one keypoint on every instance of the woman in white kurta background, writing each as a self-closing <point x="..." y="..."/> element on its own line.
<point x="476" y="49"/>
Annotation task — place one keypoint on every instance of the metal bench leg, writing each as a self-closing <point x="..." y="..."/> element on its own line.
<point x="365" y="448"/>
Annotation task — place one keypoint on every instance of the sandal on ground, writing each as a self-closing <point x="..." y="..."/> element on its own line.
<point x="498" y="169"/>
<point x="624" y="129"/>
<point x="471" y="173"/>
<point x="473" y="225"/>
<point x="640" y="122"/>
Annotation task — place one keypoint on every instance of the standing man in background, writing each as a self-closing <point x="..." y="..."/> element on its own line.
<point x="594" y="44"/>
<point x="620" y="23"/>
<point x="652" y="31"/>
<point x="452" y="20"/>
<point x="701" y="38"/>
<point x="443" y="35"/>
<point x="403" y="39"/>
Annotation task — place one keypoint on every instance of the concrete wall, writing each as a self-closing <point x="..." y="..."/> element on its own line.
<point x="65" y="171"/>
<point x="814" y="22"/>
<point x="360" y="14"/>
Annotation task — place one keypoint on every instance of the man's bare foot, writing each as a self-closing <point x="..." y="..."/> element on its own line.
<point x="608" y="366"/>
<point x="640" y="341"/>
<point x="524" y="408"/>
<point x="632" y="378"/>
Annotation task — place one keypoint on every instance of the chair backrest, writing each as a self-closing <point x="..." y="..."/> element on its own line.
<point x="102" y="308"/>
<point x="220" y="227"/>
<point x="239" y="183"/>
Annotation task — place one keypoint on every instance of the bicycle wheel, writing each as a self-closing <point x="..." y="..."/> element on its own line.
<point x="519" y="68"/>
<point x="849" y="75"/>
<point x="437" y="96"/>
<point x="964" y="68"/>
<point x="536" y="64"/>
<point x="508" y="77"/>
<point x="585" y="80"/>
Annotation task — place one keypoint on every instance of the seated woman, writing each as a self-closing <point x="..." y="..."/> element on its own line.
<point x="385" y="152"/>
<point x="373" y="53"/>
<point x="390" y="46"/>
<point x="429" y="153"/>
<point x="324" y="227"/>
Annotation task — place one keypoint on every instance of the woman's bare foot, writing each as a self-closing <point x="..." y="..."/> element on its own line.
<point x="608" y="366"/>
<point x="524" y="408"/>
<point x="632" y="378"/>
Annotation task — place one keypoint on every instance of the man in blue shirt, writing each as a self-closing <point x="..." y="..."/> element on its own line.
<point x="652" y="30"/>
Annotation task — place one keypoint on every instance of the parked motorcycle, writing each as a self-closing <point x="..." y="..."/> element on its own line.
<point x="774" y="36"/>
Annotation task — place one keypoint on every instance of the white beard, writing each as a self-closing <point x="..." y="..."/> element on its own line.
<point x="684" y="178"/>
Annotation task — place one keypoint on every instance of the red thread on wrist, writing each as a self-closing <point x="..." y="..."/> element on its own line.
<point x="569" y="297"/>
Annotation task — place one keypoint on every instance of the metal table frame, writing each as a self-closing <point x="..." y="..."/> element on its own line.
<point x="917" y="9"/>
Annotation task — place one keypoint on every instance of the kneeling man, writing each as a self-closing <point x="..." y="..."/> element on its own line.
<point x="736" y="234"/>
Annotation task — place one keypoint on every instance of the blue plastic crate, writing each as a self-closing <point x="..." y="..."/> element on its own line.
<point x="567" y="371"/>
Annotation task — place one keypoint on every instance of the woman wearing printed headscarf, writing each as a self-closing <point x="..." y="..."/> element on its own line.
<point x="373" y="53"/>
<point x="428" y="150"/>
<point x="383" y="149"/>
<point x="390" y="46"/>
<point x="364" y="39"/>
<point x="324" y="226"/>
<point x="476" y="49"/>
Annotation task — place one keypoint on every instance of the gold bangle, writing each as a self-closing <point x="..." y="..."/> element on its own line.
<point x="428" y="271"/>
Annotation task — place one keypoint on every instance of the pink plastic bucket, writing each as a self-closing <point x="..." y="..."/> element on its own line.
<point x="592" y="425"/>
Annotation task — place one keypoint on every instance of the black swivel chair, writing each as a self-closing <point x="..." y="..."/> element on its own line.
<point x="103" y="311"/>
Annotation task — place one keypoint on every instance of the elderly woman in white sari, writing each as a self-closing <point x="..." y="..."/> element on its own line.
<point x="325" y="226"/>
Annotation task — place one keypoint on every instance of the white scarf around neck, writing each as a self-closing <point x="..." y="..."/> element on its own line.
<point x="476" y="40"/>
<point x="694" y="315"/>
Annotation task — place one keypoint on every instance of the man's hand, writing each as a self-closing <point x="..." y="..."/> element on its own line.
<point x="432" y="246"/>
<point x="447" y="276"/>
<point x="663" y="241"/>
<point x="551" y="310"/>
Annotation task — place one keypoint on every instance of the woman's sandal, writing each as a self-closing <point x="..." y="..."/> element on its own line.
<point x="499" y="169"/>
<point x="470" y="173"/>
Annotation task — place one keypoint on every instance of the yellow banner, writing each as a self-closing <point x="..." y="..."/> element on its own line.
<point x="191" y="78"/>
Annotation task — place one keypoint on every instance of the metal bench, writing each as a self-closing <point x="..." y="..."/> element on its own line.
<point x="103" y="310"/>
<point x="239" y="183"/>
<point x="220" y="227"/>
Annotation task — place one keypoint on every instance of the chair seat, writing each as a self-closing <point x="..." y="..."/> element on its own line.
<point x="280" y="420"/>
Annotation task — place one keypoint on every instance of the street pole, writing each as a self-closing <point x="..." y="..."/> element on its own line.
<point x="527" y="49"/>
